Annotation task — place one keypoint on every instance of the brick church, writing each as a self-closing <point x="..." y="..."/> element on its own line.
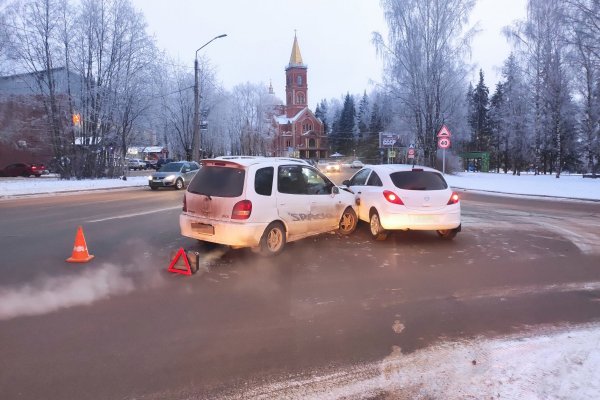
<point x="298" y="133"/>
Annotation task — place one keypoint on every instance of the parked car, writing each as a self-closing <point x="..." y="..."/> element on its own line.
<point x="136" y="163"/>
<point x="263" y="203"/>
<point x="162" y="161"/>
<point x="357" y="164"/>
<point x="150" y="164"/>
<point x="24" y="169"/>
<point x="175" y="174"/>
<point x="405" y="197"/>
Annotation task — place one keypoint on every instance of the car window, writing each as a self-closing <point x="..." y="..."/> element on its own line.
<point x="316" y="183"/>
<point x="374" y="180"/>
<point x="218" y="182"/>
<point x="291" y="180"/>
<point x="194" y="166"/>
<point x="263" y="181"/>
<point x="360" y="178"/>
<point x="171" y="167"/>
<point x="419" y="180"/>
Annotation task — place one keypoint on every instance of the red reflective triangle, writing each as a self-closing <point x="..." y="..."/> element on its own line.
<point x="444" y="132"/>
<point x="172" y="268"/>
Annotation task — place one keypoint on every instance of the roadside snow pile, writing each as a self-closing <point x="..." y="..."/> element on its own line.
<point x="554" y="364"/>
<point x="567" y="186"/>
<point x="24" y="186"/>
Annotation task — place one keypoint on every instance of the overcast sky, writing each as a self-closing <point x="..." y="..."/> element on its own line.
<point x="334" y="38"/>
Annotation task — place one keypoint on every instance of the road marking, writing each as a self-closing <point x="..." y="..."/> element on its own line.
<point x="135" y="214"/>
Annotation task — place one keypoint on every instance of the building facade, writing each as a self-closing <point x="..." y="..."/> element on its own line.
<point x="298" y="133"/>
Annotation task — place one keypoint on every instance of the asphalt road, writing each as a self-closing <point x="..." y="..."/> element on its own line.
<point x="121" y="327"/>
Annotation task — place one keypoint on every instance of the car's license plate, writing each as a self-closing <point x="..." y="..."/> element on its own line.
<point x="205" y="229"/>
<point x="422" y="218"/>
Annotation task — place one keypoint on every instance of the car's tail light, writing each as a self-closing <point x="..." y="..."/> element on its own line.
<point x="392" y="197"/>
<point x="33" y="167"/>
<point x="184" y="203"/>
<point x="453" y="199"/>
<point x="242" y="210"/>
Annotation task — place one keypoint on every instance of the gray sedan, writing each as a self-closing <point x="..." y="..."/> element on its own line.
<point x="174" y="174"/>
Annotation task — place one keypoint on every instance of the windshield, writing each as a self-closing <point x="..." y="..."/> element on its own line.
<point x="171" y="167"/>
<point x="218" y="181"/>
<point x="418" y="180"/>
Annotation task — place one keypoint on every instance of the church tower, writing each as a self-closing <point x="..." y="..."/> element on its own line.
<point x="296" y="87"/>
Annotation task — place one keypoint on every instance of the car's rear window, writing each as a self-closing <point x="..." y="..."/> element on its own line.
<point x="419" y="180"/>
<point x="218" y="181"/>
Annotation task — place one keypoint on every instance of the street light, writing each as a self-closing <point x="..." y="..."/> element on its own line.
<point x="196" y="136"/>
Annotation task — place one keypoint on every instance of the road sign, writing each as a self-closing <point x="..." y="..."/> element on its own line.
<point x="391" y="153"/>
<point x="411" y="146"/>
<point x="411" y="152"/>
<point x="444" y="132"/>
<point x="443" y="142"/>
<point x="388" y="139"/>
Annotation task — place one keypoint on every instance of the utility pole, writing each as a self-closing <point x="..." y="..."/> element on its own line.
<point x="196" y="139"/>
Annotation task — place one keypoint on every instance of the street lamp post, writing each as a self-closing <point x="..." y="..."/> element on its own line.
<point x="196" y="136"/>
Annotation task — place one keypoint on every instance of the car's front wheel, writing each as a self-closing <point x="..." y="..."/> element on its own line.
<point x="154" y="187"/>
<point x="348" y="222"/>
<point x="273" y="240"/>
<point x="179" y="184"/>
<point x="377" y="231"/>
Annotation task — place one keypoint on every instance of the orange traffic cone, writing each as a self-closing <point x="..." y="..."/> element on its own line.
<point x="80" y="251"/>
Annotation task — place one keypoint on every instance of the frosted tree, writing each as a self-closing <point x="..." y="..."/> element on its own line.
<point x="583" y="35"/>
<point x="424" y="66"/>
<point x="541" y="42"/>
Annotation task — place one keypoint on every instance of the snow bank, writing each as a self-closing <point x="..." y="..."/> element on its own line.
<point x="567" y="186"/>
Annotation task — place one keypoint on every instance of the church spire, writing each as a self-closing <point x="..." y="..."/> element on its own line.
<point x="296" y="57"/>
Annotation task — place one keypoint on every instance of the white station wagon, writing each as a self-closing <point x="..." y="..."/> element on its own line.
<point x="262" y="203"/>
<point x="405" y="197"/>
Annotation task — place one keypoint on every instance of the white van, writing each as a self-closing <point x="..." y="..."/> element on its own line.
<point x="263" y="203"/>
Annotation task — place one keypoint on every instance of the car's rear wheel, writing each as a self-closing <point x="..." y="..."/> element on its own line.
<point x="273" y="240"/>
<point x="154" y="187"/>
<point x="447" y="234"/>
<point x="179" y="184"/>
<point x="348" y="222"/>
<point x="377" y="231"/>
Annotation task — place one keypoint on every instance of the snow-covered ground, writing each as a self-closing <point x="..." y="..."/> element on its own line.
<point x="550" y="363"/>
<point x="567" y="186"/>
<point x="543" y="363"/>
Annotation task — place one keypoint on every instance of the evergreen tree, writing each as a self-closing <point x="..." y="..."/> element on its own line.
<point x="321" y="113"/>
<point x="479" y="118"/>
<point x="496" y="127"/>
<point x="344" y="129"/>
<point x="363" y="125"/>
<point x="375" y="126"/>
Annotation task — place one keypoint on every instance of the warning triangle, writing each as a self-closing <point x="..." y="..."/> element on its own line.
<point x="172" y="267"/>
<point x="444" y="132"/>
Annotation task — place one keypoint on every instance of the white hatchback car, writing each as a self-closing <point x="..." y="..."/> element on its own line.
<point x="262" y="203"/>
<point x="405" y="197"/>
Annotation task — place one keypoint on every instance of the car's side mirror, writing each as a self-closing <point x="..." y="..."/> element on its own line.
<point x="335" y="190"/>
<point x="346" y="182"/>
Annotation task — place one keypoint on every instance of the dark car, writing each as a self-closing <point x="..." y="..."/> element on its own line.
<point x="175" y="174"/>
<point x="162" y="161"/>
<point x="24" y="169"/>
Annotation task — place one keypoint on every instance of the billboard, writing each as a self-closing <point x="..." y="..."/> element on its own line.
<point x="388" y="140"/>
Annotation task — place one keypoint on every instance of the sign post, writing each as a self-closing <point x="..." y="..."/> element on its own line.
<point x="443" y="143"/>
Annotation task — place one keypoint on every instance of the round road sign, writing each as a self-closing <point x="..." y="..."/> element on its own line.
<point x="443" y="142"/>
